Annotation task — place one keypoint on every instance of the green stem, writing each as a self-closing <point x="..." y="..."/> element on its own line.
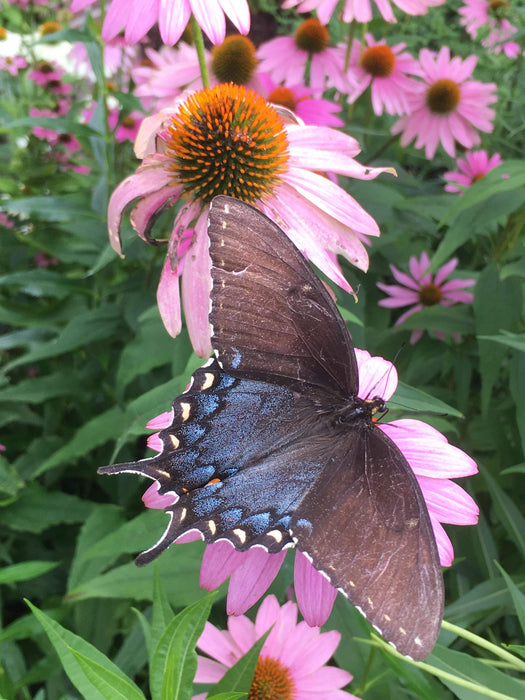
<point x="349" y="42"/>
<point x="199" y="45"/>
<point x="485" y="644"/>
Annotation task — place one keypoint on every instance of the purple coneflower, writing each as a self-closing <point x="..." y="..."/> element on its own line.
<point x="447" y="106"/>
<point x="137" y="17"/>
<point x="229" y="140"/>
<point x="420" y="288"/>
<point x="292" y="662"/>
<point x="473" y="167"/>
<point x="361" y="10"/>
<point x="386" y="69"/>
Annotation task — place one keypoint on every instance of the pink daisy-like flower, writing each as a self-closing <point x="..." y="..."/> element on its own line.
<point x="12" y="64"/>
<point x="361" y="10"/>
<point x="128" y="128"/>
<point x="488" y="14"/>
<point x="421" y="288"/>
<point x="447" y="106"/>
<point x="386" y="69"/>
<point x="187" y="154"/>
<point x="137" y="17"/>
<point x="473" y="167"/>
<point x="427" y="451"/>
<point x="292" y="662"/>
<point x="300" y="100"/>
<point x="285" y="58"/>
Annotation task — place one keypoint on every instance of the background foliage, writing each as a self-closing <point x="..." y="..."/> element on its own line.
<point x="86" y="362"/>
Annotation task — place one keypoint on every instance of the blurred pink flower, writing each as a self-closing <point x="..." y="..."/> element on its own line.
<point x="386" y="69"/>
<point x="49" y="76"/>
<point x="129" y="126"/>
<point x="137" y="17"/>
<point x="300" y="100"/>
<point x="180" y="154"/>
<point x="447" y="106"/>
<point x="361" y="10"/>
<point x="421" y="288"/>
<point x="292" y="662"/>
<point x="5" y="221"/>
<point x="474" y="166"/>
<point x="490" y="15"/>
<point x="434" y="462"/>
<point x="285" y="58"/>
<point x="12" y="64"/>
<point x="43" y="260"/>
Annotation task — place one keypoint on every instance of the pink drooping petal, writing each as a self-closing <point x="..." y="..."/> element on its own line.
<point x="428" y="451"/>
<point x="377" y="376"/>
<point x="252" y="579"/>
<point x="448" y="502"/>
<point x="219" y="561"/>
<point x="444" y="545"/>
<point x="196" y="287"/>
<point x="315" y="594"/>
<point x="168" y="300"/>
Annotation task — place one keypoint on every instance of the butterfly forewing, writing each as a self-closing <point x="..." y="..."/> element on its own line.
<point x="271" y="317"/>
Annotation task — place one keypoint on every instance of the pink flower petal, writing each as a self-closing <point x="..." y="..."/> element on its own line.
<point x="168" y="300"/>
<point x="315" y="594"/>
<point x="250" y="581"/>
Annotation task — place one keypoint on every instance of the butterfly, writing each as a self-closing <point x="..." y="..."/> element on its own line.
<point x="271" y="446"/>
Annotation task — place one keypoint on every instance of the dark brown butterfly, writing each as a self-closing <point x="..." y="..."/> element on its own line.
<point x="271" y="446"/>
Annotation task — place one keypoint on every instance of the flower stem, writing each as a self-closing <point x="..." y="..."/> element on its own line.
<point x="485" y="644"/>
<point x="199" y="45"/>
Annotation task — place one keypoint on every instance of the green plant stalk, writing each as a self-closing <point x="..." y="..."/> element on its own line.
<point x="517" y="664"/>
<point x="199" y="45"/>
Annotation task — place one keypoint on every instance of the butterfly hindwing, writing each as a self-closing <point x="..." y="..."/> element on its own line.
<point x="365" y="525"/>
<point x="270" y="315"/>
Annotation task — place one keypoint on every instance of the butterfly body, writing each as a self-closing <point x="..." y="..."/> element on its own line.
<point x="271" y="445"/>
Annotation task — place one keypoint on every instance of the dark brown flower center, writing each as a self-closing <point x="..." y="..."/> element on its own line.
<point x="312" y="36"/>
<point x="227" y="140"/>
<point x="271" y="681"/>
<point x="430" y="294"/>
<point x="443" y="96"/>
<point x="283" y="96"/>
<point x="235" y="60"/>
<point x="379" y="61"/>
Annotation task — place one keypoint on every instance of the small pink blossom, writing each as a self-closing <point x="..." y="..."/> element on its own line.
<point x="301" y="101"/>
<point x="421" y="288"/>
<point x="386" y="69"/>
<point x="473" y="167"/>
<point x="485" y="15"/>
<point x="361" y="10"/>
<point x="434" y="462"/>
<point x="285" y="59"/>
<point x="5" y="221"/>
<point x="446" y="106"/>
<point x="137" y="17"/>
<point x="292" y="660"/>
<point x="12" y="64"/>
<point x="129" y="126"/>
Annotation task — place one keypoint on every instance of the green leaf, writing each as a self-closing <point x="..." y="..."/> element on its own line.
<point x="130" y="537"/>
<point x="82" y="330"/>
<point x="65" y="643"/>
<point x="109" y="684"/>
<point x="227" y="696"/>
<point x="497" y="307"/>
<point x="413" y="399"/>
<point x="491" y="184"/>
<point x="162" y="612"/>
<point x="37" y="509"/>
<point x="511" y="340"/>
<point x="174" y="660"/>
<point x="39" y="389"/>
<point x="181" y="564"/>
<point x="517" y="596"/>
<point x="451" y="319"/>
<point x="508" y="512"/>
<point x="41" y="282"/>
<point x="480" y="600"/>
<point x="476" y="672"/>
<point x="47" y="208"/>
<point x="240" y="676"/>
<point x="94" y="433"/>
<point x="26" y="571"/>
